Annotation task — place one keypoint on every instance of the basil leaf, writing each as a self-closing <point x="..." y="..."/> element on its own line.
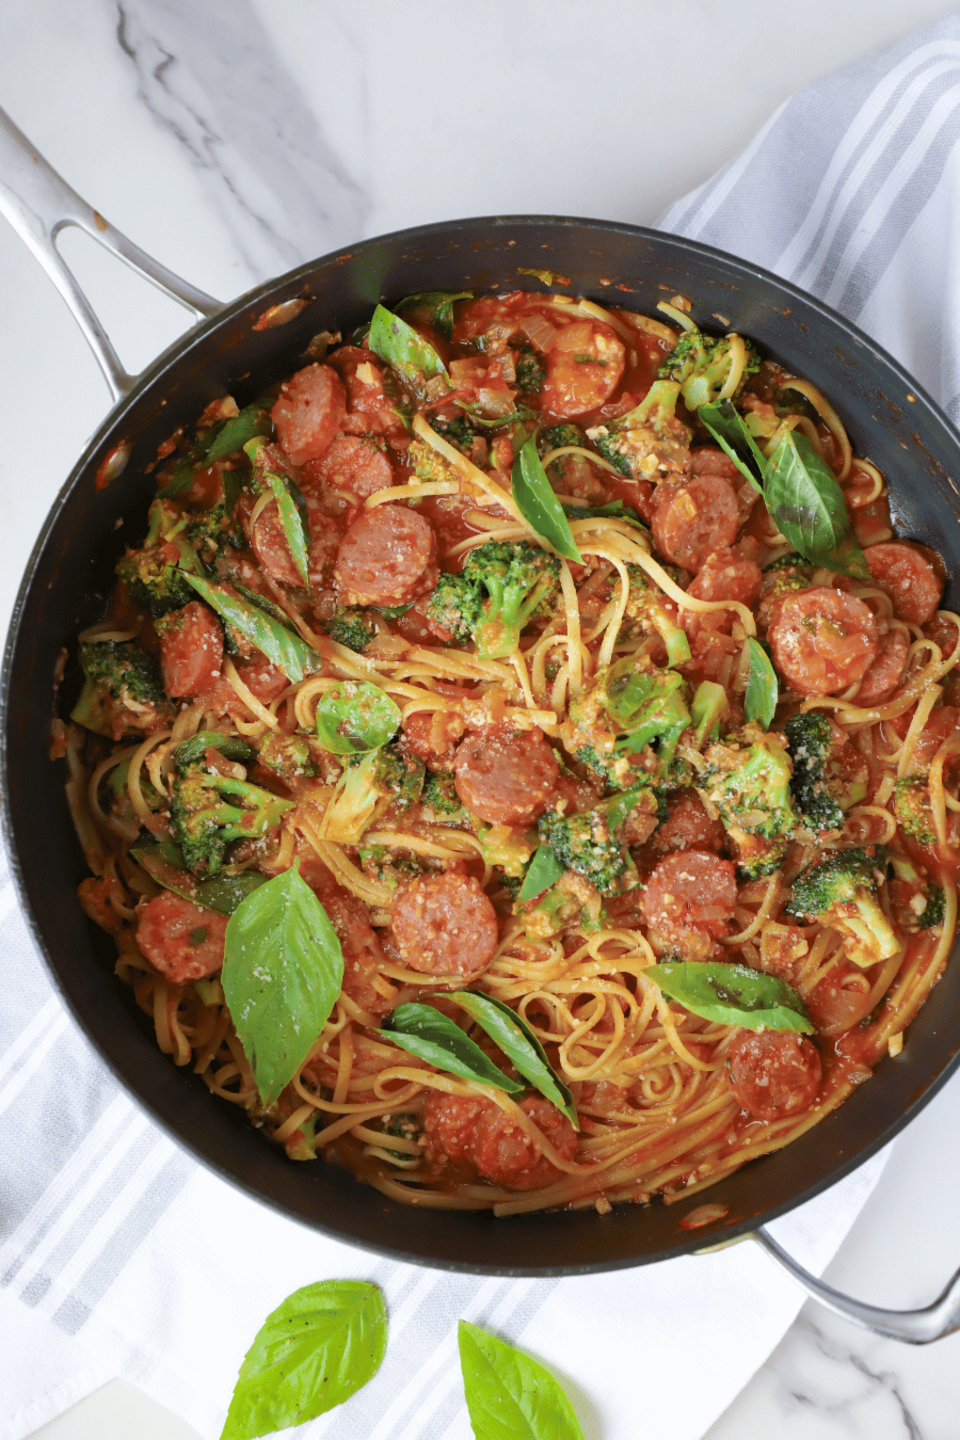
<point x="273" y="638"/>
<point x="616" y="510"/>
<point x="179" y="482"/>
<point x="543" y="871"/>
<point x="519" y="1043"/>
<point x="437" y="306"/>
<point x="236" y="432"/>
<point x="222" y="893"/>
<point x="290" y="504"/>
<point x="313" y="1352"/>
<point x="763" y="687"/>
<point x="354" y="716"/>
<point x="808" y="507"/>
<point x="731" y="994"/>
<point x="282" y="972"/>
<point x="509" y="1396"/>
<point x="538" y="505"/>
<point x="433" y="1037"/>
<point x="402" y="347"/>
<point x="728" y="428"/>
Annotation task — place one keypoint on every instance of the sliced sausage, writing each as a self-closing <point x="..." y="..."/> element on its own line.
<point x="474" y="1132"/>
<point x="432" y="736"/>
<point x="369" y="407"/>
<point x="910" y="577"/>
<point x="387" y="557"/>
<point x="183" y="940"/>
<point x="688" y="827"/>
<point x="690" y="890"/>
<point x="886" y="672"/>
<point x="445" y="925"/>
<point x="506" y="777"/>
<point x="823" y="639"/>
<point x="584" y="366"/>
<point x="308" y="412"/>
<point x="727" y="575"/>
<point x="363" y="957"/>
<point x="191" y="650"/>
<point x="353" y="463"/>
<point x="694" y="517"/>
<point x="774" y="1073"/>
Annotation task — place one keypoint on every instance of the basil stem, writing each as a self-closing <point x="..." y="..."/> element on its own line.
<point x="538" y="504"/>
<point x="731" y="994"/>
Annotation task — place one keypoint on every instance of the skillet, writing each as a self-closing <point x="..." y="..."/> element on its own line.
<point x="242" y="348"/>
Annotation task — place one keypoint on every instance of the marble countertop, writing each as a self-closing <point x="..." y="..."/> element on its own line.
<point x="234" y="140"/>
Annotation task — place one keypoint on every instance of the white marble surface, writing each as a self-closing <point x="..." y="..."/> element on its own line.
<point x="235" y="138"/>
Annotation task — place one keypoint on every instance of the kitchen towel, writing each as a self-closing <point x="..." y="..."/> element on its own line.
<point x="119" y="1256"/>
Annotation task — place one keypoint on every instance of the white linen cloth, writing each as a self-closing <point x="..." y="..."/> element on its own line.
<point x="119" y="1256"/>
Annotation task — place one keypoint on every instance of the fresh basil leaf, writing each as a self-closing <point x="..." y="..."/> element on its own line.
<point x="294" y="519"/>
<point x="509" y="1396"/>
<point x="763" y="687"/>
<point x="616" y="510"/>
<point x="538" y="504"/>
<point x="728" y="428"/>
<point x="402" y="347"/>
<point x="282" y="972"/>
<point x="433" y="1037"/>
<point x="519" y="1043"/>
<point x="235" y="433"/>
<point x="354" y="716"/>
<point x="319" y="1347"/>
<point x="731" y="994"/>
<point x="281" y="644"/>
<point x="808" y="507"/>
<point x="543" y="871"/>
<point x="179" y="482"/>
<point x="222" y="893"/>
<point x="436" y="307"/>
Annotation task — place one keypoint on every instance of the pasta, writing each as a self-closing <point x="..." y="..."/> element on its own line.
<point x="483" y="634"/>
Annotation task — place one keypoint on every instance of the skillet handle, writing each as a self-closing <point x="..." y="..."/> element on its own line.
<point x="39" y="204"/>
<point x="916" y="1327"/>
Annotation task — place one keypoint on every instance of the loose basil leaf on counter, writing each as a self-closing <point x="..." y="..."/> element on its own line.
<point x="538" y="504"/>
<point x="728" y="428"/>
<point x="238" y="431"/>
<point x="222" y="893"/>
<point x="543" y="871"/>
<point x="438" y="305"/>
<point x="763" y="687"/>
<point x="354" y="716"/>
<point x="731" y="994"/>
<point x="319" y="1347"/>
<point x="396" y="342"/>
<point x="808" y="508"/>
<point x="281" y="644"/>
<point x="282" y="972"/>
<point x="518" y="1042"/>
<point x="509" y="1396"/>
<point x="433" y="1037"/>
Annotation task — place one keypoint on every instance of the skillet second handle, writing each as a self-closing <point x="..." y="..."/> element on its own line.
<point x="916" y="1327"/>
<point x="39" y="204"/>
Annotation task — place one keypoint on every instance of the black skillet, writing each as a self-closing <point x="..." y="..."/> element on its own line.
<point x="234" y="351"/>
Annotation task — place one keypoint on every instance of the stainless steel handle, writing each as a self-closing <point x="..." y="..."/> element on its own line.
<point x="39" y="204"/>
<point x="916" y="1327"/>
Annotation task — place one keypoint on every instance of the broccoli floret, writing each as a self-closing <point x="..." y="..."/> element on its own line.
<point x="918" y="901"/>
<point x="593" y="842"/>
<point x="153" y="574"/>
<point x="746" y="781"/>
<point x="441" y="800"/>
<point x="389" y="867"/>
<point x="501" y="589"/>
<point x="914" y="810"/>
<point x="556" y="436"/>
<point x="121" y="691"/>
<point x="647" y="610"/>
<point x="458" y="432"/>
<point x="627" y="712"/>
<point x="828" y="776"/>
<point x="702" y="365"/>
<point x="211" y="808"/>
<point x="649" y="442"/>
<point x="351" y="627"/>
<point x="559" y="908"/>
<point x="530" y="372"/>
<point x="369" y="785"/>
<point x="842" y="892"/>
<point x="428" y="464"/>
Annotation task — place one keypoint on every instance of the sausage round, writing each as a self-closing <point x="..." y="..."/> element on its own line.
<point x="472" y="1131"/>
<point x="886" y="672"/>
<point x="506" y="777"/>
<point x="182" y="940"/>
<point x="445" y="925"/>
<point x="823" y="639"/>
<point x="725" y="575"/>
<point x="584" y="366"/>
<point x="774" y="1073"/>
<point x="690" y="890"/>
<point x="694" y="517"/>
<point x="354" y="464"/>
<point x="387" y="557"/>
<point x="909" y="577"/>
<point x="308" y="412"/>
<point x="191" y="650"/>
